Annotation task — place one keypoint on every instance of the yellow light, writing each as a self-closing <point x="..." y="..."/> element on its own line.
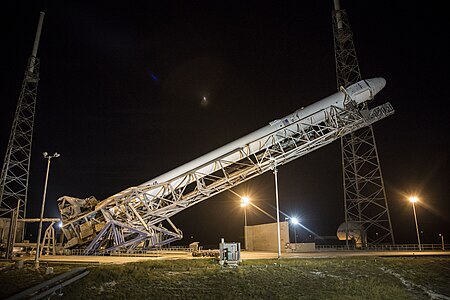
<point x="413" y="199"/>
<point x="245" y="201"/>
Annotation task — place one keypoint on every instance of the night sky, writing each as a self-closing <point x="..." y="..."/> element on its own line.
<point x="121" y="89"/>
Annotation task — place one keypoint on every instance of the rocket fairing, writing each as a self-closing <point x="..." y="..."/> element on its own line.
<point x="256" y="141"/>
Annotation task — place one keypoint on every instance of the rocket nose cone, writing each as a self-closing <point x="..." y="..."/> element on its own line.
<point x="376" y="84"/>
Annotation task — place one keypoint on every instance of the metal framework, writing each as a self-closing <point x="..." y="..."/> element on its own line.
<point x="140" y="216"/>
<point x="49" y="241"/>
<point x="16" y="165"/>
<point x="365" y="201"/>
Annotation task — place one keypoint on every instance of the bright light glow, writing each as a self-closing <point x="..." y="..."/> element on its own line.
<point x="245" y="201"/>
<point x="294" y="221"/>
<point x="413" y="199"/>
<point x="60" y="224"/>
<point x="204" y="101"/>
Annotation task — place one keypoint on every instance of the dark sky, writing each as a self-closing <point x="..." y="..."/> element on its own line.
<point x="121" y="88"/>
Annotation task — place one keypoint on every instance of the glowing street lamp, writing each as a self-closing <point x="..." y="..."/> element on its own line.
<point x="295" y="222"/>
<point x="48" y="157"/>
<point x="442" y="240"/>
<point x="244" y="202"/>
<point x="413" y="200"/>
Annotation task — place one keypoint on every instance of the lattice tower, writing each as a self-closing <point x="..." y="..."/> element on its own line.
<point x="16" y="165"/>
<point x="365" y="201"/>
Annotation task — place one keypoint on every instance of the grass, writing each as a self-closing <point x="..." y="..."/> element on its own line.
<point x="13" y="280"/>
<point x="324" y="278"/>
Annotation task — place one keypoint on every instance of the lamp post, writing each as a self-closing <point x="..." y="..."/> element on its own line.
<point x="295" y="222"/>
<point x="413" y="200"/>
<point x="48" y="157"/>
<point x="275" y="173"/>
<point x="442" y="240"/>
<point x="244" y="202"/>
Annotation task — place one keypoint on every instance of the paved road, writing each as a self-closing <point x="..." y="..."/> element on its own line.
<point x="246" y="255"/>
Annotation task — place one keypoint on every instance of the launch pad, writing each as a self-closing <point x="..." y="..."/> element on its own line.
<point x="139" y="217"/>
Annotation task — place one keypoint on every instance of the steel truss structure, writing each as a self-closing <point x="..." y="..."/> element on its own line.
<point x="16" y="166"/>
<point x="140" y="216"/>
<point x="365" y="201"/>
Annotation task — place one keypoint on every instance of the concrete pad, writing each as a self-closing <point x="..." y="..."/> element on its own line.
<point x="245" y="255"/>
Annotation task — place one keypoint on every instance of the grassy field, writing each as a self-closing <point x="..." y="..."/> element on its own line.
<point x="324" y="278"/>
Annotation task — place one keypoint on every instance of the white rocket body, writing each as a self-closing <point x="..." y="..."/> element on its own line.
<point x="254" y="142"/>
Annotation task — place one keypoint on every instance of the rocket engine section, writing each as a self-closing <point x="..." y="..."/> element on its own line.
<point x="70" y="207"/>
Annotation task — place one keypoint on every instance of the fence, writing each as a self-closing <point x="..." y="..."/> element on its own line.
<point x="173" y="249"/>
<point x="386" y="247"/>
<point x="133" y="253"/>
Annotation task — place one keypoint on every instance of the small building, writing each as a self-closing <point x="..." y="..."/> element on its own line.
<point x="264" y="237"/>
<point x="5" y="225"/>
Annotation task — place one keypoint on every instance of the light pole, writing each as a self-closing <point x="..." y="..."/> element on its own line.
<point x="48" y="157"/>
<point x="295" y="222"/>
<point x="413" y="200"/>
<point x="244" y="202"/>
<point x="442" y="240"/>
<point x="275" y="173"/>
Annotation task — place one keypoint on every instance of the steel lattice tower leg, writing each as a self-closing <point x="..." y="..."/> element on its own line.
<point x="365" y="201"/>
<point x="16" y="165"/>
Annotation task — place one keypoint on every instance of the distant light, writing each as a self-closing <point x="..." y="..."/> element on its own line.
<point x="60" y="224"/>
<point x="413" y="199"/>
<point x="294" y="221"/>
<point x="204" y="101"/>
<point x="153" y="76"/>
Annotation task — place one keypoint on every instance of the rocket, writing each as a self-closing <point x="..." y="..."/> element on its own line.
<point x="252" y="143"/>
<point x="139" y="210"/>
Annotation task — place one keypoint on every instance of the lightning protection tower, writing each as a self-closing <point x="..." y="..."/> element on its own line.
<point x="16" y="166"/>
<point x="365" y="201"/>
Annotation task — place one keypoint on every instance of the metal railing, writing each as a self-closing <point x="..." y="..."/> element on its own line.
<point x="387" y="247"/>
<point x="133" y="253"/>
<point x="173" y="249"/>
